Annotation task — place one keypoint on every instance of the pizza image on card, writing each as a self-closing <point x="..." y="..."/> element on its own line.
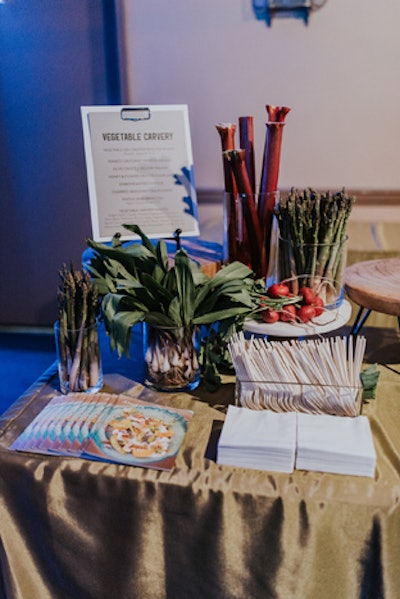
<point x="141" y="434"/>
<point x="107" y="427"/>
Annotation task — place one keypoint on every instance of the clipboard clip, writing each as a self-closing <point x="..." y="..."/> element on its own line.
<point x="135" y="113"/>
<point x="176" y="238"/>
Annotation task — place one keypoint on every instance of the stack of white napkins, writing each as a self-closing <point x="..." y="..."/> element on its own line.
<point x="258" y="439"/>
<point x="340" y="445"/>
<point x="280" y="442"/>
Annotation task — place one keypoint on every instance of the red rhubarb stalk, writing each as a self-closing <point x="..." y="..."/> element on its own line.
<point x="246" y="138"/>
<point x="270" y="170"/>
<point x="277" y="114"/>
<point x="227" y="136"/>
<point x="272" y="152"/>
<point x="254" y="234"/>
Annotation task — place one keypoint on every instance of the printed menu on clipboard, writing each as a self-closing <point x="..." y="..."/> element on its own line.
<point x="140" y="170"/>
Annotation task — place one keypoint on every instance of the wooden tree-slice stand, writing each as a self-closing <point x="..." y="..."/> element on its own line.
<point x="374" y="285"/>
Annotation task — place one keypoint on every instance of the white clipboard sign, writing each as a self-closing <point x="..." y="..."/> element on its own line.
<point x="140" y="170"/>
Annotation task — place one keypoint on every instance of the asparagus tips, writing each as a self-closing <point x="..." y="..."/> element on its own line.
<point x="312" y="228"/>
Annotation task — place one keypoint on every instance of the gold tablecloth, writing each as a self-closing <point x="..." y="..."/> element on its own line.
<point x="73" y="528"/>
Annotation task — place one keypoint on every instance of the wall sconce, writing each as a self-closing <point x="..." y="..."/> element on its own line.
<point x="266" y="10"/>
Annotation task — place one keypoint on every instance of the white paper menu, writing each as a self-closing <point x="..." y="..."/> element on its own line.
<point x="140" y="170"/>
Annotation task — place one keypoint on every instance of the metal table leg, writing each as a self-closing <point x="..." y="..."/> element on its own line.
<point x="360" y="320"/>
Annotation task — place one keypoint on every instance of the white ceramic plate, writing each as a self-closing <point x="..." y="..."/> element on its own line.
<point x="329" y="321"/>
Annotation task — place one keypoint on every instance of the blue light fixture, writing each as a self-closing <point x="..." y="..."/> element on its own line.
<point x="266" y="10"/>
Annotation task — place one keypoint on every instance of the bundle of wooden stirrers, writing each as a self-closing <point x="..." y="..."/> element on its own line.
<point x="317" y="376"/>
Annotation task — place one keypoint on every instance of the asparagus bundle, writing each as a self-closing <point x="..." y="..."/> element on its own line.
<point x="312" y="229"/>
<point x="78" y="346"/>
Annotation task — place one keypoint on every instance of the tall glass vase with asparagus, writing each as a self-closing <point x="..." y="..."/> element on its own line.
<point x="76" y="333"/>
<point x="313" y="240"/>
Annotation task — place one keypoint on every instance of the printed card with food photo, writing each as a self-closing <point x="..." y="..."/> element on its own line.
<point x="34" y="436"/>
<point x="107" y="427"/>
<point x="138" y="433"/>
<point x="79" y="422"/>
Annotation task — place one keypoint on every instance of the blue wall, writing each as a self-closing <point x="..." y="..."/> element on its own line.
<point x="55" y="55"/>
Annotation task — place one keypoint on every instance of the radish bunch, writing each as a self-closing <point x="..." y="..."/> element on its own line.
<point x="302" y="308"/>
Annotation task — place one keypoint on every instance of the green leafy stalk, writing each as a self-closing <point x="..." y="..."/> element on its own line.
<point x="144" y="286"/>
<point x="185" y="287"/>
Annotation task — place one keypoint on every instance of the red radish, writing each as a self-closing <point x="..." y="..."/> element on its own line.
<point x="288" y="313"/>
<point x="270" y="315"/>
<point x="306" y="313"/>
<point x="319" y="306"/>
<point x="308" y="295"/>
<point x="277" y="290"/>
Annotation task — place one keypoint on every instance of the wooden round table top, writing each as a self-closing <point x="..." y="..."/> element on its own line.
<point x="375" y="285"/>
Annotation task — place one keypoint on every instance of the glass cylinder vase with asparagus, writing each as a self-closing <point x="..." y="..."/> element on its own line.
<point x="312" y="239"/>
<point x="76" y="332"/>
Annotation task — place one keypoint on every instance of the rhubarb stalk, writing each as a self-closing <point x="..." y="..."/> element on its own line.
<point x="249" y="209"/>
<point x="270" y="170"/>
<point x="227" y="135"/>
<point x="246" y="139"/>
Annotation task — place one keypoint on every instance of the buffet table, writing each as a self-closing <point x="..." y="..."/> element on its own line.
<point x="85" y="529"/>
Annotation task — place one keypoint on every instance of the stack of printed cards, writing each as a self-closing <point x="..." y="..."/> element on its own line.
<point x="334" y="444"/>
<point x="258" y="439"/>
<point x="112" y="428"/>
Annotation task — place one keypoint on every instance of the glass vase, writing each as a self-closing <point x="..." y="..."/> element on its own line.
<point x="248" y="234"/>
<point x="320" y="266"/>
<point x="79" y="359"/>
<point x="171" y="357"/>
<point x="234" y="233"/>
